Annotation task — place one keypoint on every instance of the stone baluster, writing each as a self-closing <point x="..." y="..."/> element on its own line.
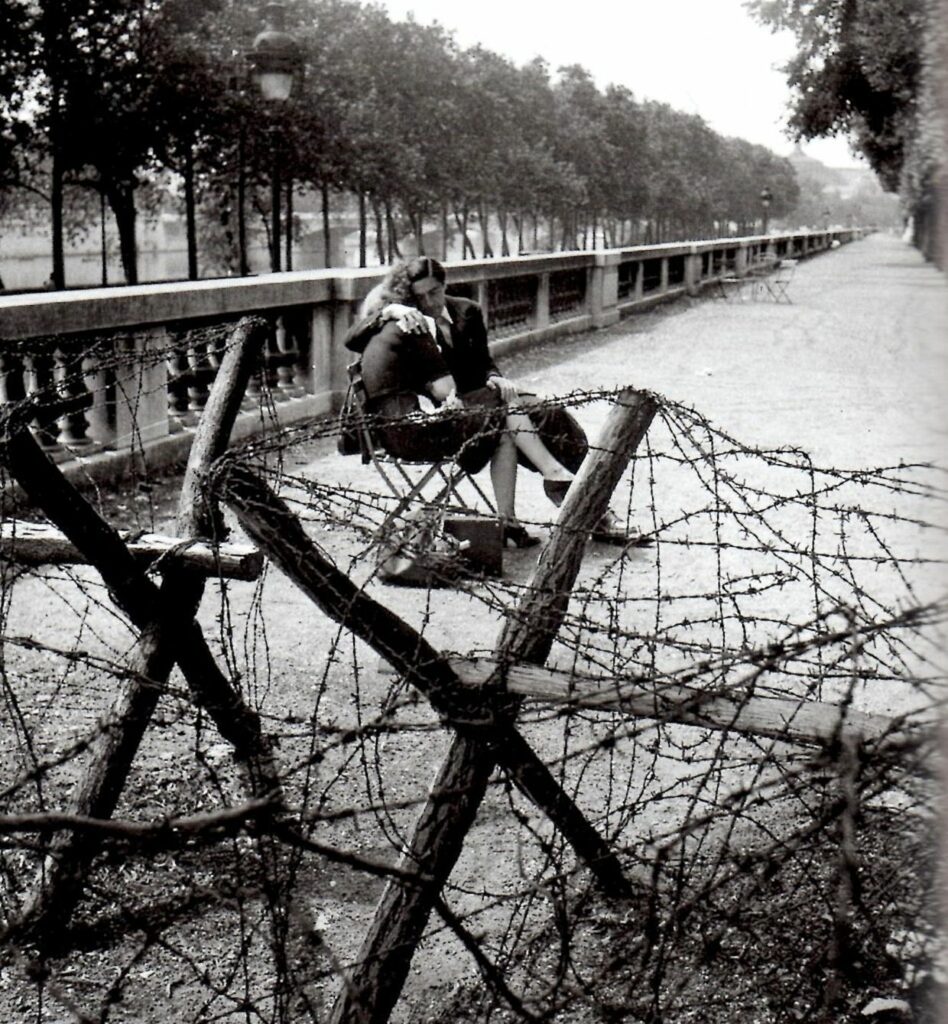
<point x="7" y="393"/>
<point x="253" y="393"/>
<point x="197" y="375"/>
<point x="70" y="388"/>
<point x="35" y="379"/>
<point x="100" y="429"/>
<point x="178" y="374"/>
<point x="287" y="360"/>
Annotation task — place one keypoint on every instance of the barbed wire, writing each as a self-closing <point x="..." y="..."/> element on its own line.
<point x="743" y="708"/>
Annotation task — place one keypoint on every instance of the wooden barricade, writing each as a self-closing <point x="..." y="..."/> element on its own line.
<point x="479" y="700"/>
<point x="483" y="719"/>
<point x="164" y="617"/>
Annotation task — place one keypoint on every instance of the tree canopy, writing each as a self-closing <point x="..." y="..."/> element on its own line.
<point x="118" y="96"/>
<point x="868" y="70"/>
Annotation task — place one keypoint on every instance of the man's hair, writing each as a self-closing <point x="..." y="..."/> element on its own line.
<point x="396" y="285"/>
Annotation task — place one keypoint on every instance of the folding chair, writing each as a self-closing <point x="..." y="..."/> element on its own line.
<point x="778" y="283"/>
<point x="758" y="270"/>
<point x="727" y="284"/>
<point x="730" y="287"/>
<point x="418" y="488"/>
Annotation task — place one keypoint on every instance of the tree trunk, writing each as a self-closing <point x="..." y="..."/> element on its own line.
<point x="289" y="224"/>
<point x="243" y="263"/>
<point x="189" y="218"/>
<point x="58" y="275"/>
<point x="393" y="248"/>
<point x="485" y="232"/>
<point x="103" y="240"/>
<point x="466" y="244"/>
<point x="327" y="237"/>
<point x="379" y="232"/>
<point x="502" y="221"/>
<point x="444" y="232"/>
<point x="569" y="228"/>
<point x="417" y="219"/>
<point x="122" y="200"/>
<point x="363" y="230"/>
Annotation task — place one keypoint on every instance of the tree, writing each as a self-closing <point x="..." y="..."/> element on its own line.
<point x="867" y="69"/>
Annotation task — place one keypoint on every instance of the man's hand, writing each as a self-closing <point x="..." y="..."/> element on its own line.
<point x="453" y="401"/>
<point x="507" y="390"/>
<point x="408" y="319"/>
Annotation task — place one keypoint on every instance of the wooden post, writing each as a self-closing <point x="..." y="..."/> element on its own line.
<point x="38" y="544"/>
<point x="168" y="630"/>
<point x="375" y="981"/>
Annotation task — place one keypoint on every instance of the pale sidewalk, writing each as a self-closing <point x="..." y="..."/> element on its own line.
<point x="855" y="370"/>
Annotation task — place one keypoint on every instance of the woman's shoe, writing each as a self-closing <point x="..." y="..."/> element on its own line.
<point x="556" y="490"/>
<point x="517" y="536"/>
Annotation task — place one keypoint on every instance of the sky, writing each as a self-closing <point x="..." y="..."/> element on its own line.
<point x="706" y="57"/>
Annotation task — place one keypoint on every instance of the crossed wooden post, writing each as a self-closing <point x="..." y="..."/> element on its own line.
<point x="164" y="616"/>
<point x="484" y="721"/>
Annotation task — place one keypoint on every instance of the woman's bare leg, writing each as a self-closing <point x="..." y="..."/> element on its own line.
<point x="529" y="442"/>
<point x="503" y="476"/>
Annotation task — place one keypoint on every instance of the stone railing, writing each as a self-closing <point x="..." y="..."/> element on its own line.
<point x="131" y="367"/>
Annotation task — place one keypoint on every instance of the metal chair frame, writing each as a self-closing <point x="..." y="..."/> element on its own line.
<point x="769" y="275"/>
<point x="778" y="283"/>
<point x="406" y="485"/>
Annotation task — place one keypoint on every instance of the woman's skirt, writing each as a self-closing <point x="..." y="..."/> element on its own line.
<point x="470" y="434"/>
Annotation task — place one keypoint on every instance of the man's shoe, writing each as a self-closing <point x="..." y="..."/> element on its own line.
<point x="610" y="530"/>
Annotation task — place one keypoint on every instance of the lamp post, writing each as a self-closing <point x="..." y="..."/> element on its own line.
<point x="826" y="220"/>
<point x="765" y="198"/>
<point x="274" y="61"/>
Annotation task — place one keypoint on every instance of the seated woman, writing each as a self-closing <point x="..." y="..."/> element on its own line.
<point x="546" y="439"/>
<point x="476" y="426"/>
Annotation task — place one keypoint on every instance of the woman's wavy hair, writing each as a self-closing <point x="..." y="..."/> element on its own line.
<point x="396" y="285"/>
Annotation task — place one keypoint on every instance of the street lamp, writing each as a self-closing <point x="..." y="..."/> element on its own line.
<point x="765" y="198"/>
<point x="826" y="220"/>
<point x="274" y="61"/>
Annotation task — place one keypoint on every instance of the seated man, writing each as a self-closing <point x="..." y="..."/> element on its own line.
<point x="412" y="299"/>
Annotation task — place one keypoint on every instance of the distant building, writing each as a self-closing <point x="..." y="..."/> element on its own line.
<point x="840" y="195"/>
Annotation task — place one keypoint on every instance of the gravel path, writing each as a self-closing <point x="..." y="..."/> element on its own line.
<point x="854" y="371"/>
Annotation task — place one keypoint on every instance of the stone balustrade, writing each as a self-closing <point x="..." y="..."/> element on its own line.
<point x="125" y="372"/>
